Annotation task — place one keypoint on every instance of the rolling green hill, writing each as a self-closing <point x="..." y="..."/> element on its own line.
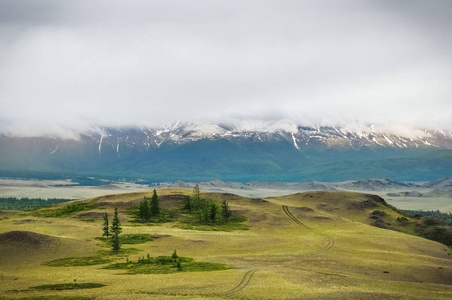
<point x="315" y="245"/>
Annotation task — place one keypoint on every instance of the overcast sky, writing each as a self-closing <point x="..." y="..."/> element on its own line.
<point x="69" y="64"/>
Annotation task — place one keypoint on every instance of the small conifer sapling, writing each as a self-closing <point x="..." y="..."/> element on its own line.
<point x="105" y="226"/>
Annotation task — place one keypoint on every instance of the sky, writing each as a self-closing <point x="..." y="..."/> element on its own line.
<point x="70" y="65"/>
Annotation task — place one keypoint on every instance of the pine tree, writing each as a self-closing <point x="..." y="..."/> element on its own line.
<point x="141" y="210"/>
<point x="155" y="205"/>
<point x="115" y="243"/>
<point x="196" y="197"/>
<point x="105" y="226"/>
<point x="174" y="256"/>
<point x="144" y="210"/>
<point x="225" y="211"/>
<point x="213" y="212"/>
<point x="115" y="231"/>
<point x="204" y="214"/>
<point x="178" y="266"/>
<point x="188" y="204"/>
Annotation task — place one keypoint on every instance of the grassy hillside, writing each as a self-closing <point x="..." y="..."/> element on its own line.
<point x="317" y="245"/>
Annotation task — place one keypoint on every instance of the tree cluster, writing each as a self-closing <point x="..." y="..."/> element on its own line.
<point x="428" y="213"/>
<point x="206" y="210"/>
<point x="13" y="203"/>
<point x="173" y="260"/>
<point x="149" y="208"/>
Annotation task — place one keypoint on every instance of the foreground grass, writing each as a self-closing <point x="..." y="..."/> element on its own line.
<point x="55" y="297"/>
<point x="332" y="254"/>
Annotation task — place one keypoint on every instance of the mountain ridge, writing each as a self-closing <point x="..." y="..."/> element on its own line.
<point x="200" y="151"/>
<point x="299" y="135"/>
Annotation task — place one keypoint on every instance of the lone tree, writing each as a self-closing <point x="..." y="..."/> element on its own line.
<point x="155" y="205"/>
<point x="225" y="211"/>
<point x="174" y="256"/>
<point x="105" y="226"/>
<point x="115" y="231"/>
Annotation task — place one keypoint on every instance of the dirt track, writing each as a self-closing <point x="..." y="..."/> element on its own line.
<point x="330" y="239"/>
<point x="245" y="281"/>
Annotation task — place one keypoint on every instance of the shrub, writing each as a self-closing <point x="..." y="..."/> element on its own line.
<point x="402" y="220"/>
<point x="78" y="261"/>
<point x="68" y="286"/>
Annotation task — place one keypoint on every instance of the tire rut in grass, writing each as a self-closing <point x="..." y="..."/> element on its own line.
<point x="330" y="240"/>
<point x="243" y="283"/>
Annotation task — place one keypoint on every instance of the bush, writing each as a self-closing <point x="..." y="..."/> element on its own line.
<point x="402" y="220"/>
<point x="435" y="220"/>
<point x="439" y="234"/>
<point x="68" y="286"/>
<point x="78" y="261"/>
<point x="137" y="238"/>
<point x="166" y="265"/>
<point x="380" y="223"/>
<point x="377" y="214"/>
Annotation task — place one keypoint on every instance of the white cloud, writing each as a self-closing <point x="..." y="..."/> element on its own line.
<point x="73" y="64"/>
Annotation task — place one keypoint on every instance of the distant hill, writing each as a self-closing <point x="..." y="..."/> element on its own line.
<point x="374" y="185"/>
<point x="443" y="184"/>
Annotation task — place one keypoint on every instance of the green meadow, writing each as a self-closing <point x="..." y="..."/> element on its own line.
<point x="314" y="245"/>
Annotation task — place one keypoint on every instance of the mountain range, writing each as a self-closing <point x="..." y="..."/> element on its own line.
<point x="205" y="151"/>
<point x="377" y="186"/>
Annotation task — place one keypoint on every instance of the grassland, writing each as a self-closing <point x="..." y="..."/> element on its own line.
<point x="318" y="245"/>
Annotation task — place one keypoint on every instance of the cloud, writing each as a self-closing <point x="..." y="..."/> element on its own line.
<point x="68" y="65"/>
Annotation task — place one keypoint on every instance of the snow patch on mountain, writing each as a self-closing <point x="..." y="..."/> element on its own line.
<point x="100" y="143"/>
<point x="353" y="136"/>
<point x="295" y="142"/>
